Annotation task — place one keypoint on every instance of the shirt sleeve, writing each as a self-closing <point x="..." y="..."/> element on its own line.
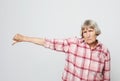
<point x="61" y="45"/>
<point x="106" y="70"/>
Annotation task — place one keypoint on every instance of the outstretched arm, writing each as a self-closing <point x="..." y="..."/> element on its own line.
<point x="21" y="38"/>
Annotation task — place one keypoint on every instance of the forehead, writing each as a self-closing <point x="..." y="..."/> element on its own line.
<point x="87" y="28"/>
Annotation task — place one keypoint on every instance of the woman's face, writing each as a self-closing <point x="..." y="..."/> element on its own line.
<point x="89" y="35"/>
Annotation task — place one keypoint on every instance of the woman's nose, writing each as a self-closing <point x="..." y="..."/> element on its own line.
<point x="88" y="34"/>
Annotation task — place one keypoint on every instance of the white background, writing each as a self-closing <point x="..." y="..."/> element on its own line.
<point x="52" y="19"/>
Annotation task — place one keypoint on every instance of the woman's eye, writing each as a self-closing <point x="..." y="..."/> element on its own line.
<point x="90" y="30"/>
<point x="84" y="31"/>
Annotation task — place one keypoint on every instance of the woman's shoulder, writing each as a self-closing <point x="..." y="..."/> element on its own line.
<point x="74" y="39"/>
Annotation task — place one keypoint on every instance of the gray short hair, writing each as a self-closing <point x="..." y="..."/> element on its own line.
<point x="91" y="24"/>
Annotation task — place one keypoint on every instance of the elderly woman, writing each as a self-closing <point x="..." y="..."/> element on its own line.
<point x="87" y="58"/>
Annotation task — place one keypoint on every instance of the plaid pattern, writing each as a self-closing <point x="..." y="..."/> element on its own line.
<point x="82" y="63"/>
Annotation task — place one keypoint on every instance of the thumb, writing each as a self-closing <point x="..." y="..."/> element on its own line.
<point x="14" y="42"/>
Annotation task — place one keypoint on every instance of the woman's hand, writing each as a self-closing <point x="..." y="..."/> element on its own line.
<point x="18" y="38"/>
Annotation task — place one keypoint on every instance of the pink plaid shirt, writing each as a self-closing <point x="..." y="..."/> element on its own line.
<point x="82" y="63"/>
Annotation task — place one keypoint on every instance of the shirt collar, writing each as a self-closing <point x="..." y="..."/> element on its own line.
<point x="99" y="44"/>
